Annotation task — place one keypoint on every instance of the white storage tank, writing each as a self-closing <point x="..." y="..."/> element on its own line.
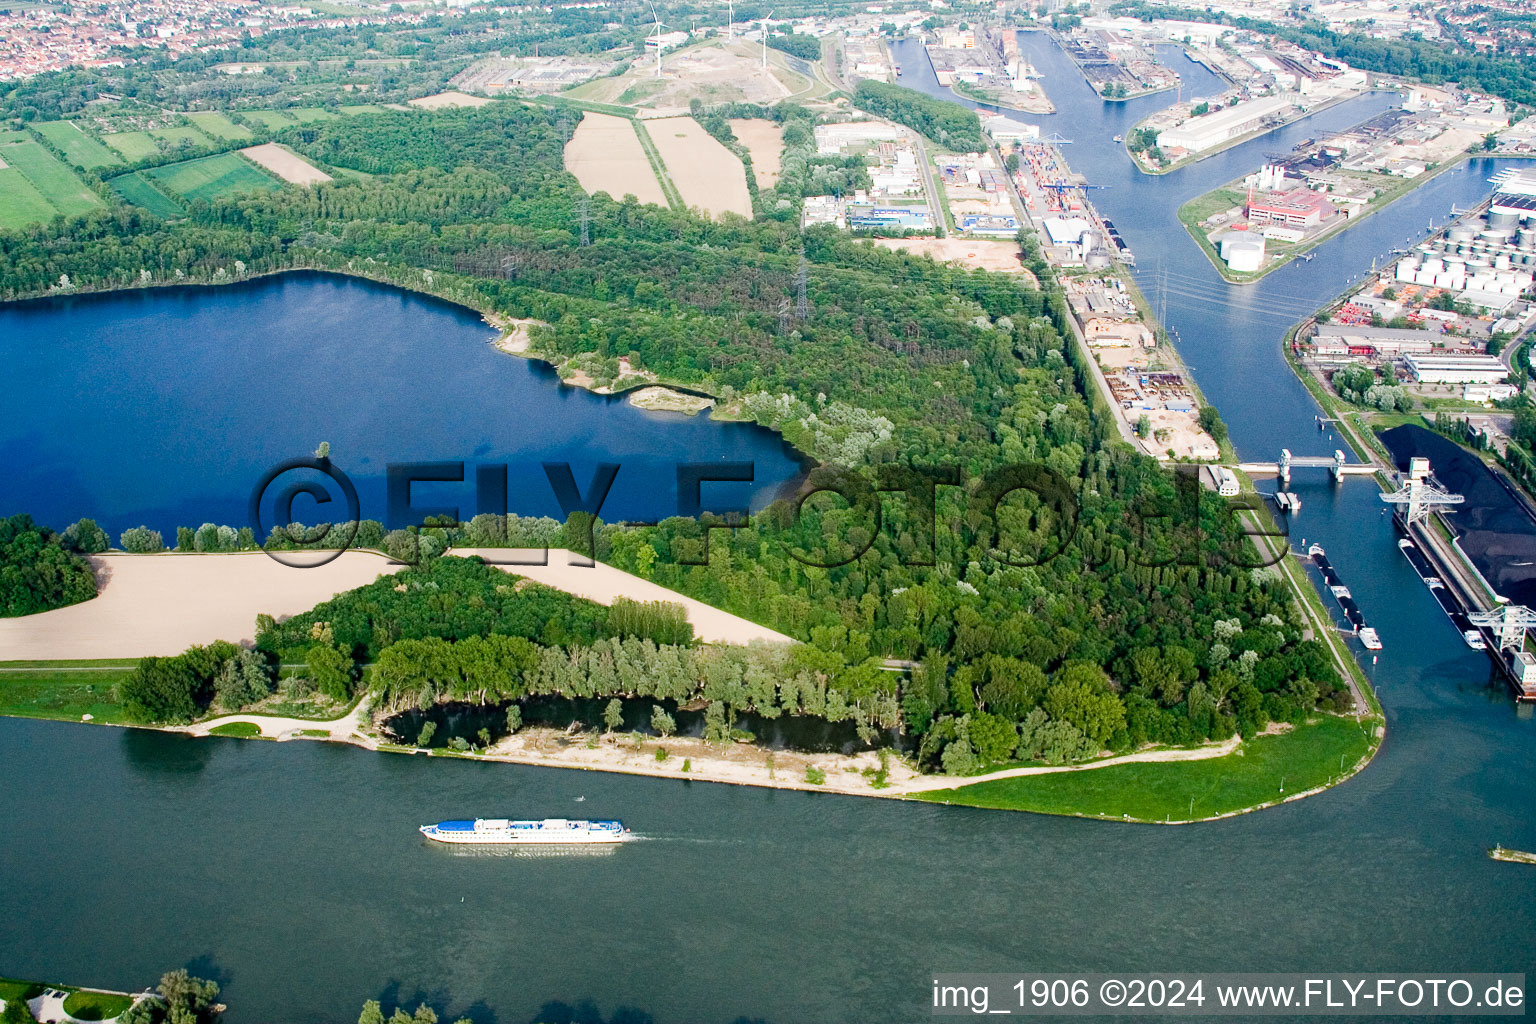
<point x="1243" y="255"/>
<point x="1406" y="268"/>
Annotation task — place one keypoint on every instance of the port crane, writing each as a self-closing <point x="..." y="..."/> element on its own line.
<point x="1508" y="622"/>
<point x="1418" y="496"/>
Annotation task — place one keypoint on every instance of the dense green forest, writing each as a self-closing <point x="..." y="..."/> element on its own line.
<point x="1414" y="57"/>
<point x="41" y="569"/>
<point x="946" y="123"/>
<point x="1120" y="611"/>
<point x="804" y="47"/>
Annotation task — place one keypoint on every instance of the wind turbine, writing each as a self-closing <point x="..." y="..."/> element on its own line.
<point x="658" y="39"/>
<point x="765" y="39"/>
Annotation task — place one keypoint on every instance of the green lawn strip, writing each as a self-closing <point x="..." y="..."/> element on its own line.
<point x="14" y="988"/>
<point x="573" y="101"/>
<point x="51" y="177"/>
<point x="83" y="1005"/>
<point x="1305" y="758"/>
<point x="135" y="188"/>
<point x="363" y="108"/>
<point x="63" y="693"/>
<point x="244" y="730"/>
<point x="63" y="663"/>
<point x="78" y="148"/>
<point x="20" y="203"/>
<point x="211" y="177"/>
<point x="219" y="126"/>
<point x="315" y="734"/>
<point x="134" y="146"/>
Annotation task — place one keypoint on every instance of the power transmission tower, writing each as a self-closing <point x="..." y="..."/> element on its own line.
<point x="802" y="277"/>
<point x="1162" y="295"/>
<point x="509" y="266"/>
<point x="585" y="206"/>
<point x="784" y="316"/>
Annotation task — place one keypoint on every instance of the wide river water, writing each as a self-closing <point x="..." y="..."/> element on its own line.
<point x="294" y="875"/>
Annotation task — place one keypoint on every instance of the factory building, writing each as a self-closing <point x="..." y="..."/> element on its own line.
<point x="1385" y="341"/>
<point x="1297" y="208"/>
<point x="1465" y="369"/>
<point x="1210" y="130"/>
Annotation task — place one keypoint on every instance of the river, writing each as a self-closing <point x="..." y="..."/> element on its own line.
<point x="293" y="873"/>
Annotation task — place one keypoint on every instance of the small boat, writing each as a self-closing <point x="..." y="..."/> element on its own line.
<point x="1369" y="640"/>
<point x="505" y="832"/>
<point x="1475" y="640"/>
<point x="1119" y="138"/>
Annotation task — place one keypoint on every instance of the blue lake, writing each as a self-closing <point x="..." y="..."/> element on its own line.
<point x="165" y="407"/>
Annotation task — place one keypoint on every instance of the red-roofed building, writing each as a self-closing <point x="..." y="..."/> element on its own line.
<point x="1298" y="208"/>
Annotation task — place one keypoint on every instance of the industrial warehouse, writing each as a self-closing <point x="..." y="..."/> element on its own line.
<point x="1434" y="315"/>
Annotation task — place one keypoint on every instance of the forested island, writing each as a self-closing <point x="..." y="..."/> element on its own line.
<point x="1040" y="630"/>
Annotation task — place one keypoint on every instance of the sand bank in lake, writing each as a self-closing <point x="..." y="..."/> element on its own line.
<point x="605" y="584"/>
<point x="163" y="604"/>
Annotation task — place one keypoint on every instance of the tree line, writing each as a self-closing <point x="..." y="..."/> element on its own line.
<point x="946" y="123"/>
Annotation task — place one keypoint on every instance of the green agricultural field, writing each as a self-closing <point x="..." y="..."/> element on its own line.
<point x="136" y="189"/>
<point x="134" y="146"/>
<point x="20" y="203"/>
<point x="273" y="119"/>
<point x="364" y="108"/>
<point x="174" y="136"/>
<point x="219" y="126"/>
<point x="1305" y="758"/>
<point x="58" y="184"/>
<point x="78" y="148"/>
<point x="211" y="177"/>
<point x="305" y="115"/>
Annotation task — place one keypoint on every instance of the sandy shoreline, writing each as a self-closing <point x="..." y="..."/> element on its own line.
<point x="730" y="763"/>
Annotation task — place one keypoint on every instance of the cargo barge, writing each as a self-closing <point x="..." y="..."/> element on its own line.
<point x="1470" y="634"/>
<point x="1346" y="600"/>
